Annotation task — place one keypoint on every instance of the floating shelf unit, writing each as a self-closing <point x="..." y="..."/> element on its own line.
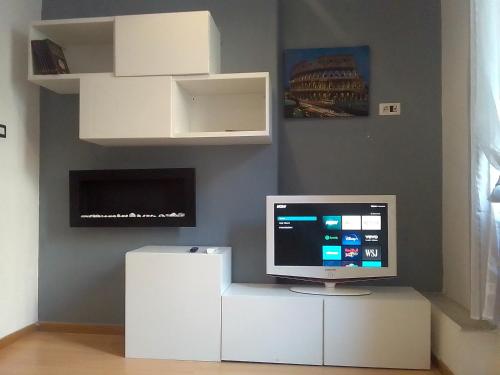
<point x="140" y="83"/>
<point x="221" y="109"/>
<point x="88" y="48"/>
<point x="187" y="110"/>
<point x="167" y="43"/>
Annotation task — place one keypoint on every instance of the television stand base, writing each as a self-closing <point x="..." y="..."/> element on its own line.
<point x="330" y="289"/>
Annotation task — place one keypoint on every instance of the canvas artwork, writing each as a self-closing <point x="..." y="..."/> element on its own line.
<point x="327" y="82"/>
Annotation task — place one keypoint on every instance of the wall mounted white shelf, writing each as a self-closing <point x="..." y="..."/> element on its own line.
<point x="167" y="44"/>
<point x="188" y="110"/>
<point x="221" y="109"/>
<point x="59" y="83"/>
<point x="153" y="80"/>
<point x="88" y="48"/>
<point x="136" y="45"/>
<point x="125" y="110"/>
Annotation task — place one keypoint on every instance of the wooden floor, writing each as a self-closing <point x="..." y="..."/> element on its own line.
<point x="49" y="353"/>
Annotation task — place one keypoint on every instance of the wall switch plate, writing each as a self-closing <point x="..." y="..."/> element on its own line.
<point x="389" y="109"/>
<point x="3" y="131"/>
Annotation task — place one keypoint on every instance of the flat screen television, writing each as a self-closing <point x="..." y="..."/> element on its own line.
<point x="331" y="239"/>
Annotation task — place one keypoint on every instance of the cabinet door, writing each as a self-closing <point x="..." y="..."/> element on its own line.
<point x="173" y="305"/>
<point x="167" y="43"/>
<point x="124" y="110"/>
<point x="389" y="328"/>
<point x="272" y="329"/>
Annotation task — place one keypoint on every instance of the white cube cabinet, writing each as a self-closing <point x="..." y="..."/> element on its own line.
<point x="269" y="323"/>
<point x="166" y="44"/>
<point x="173" y="302"/>
<point x="125" y="111"/>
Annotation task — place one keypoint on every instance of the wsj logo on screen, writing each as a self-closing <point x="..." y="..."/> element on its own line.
<point x="371" y="252"/>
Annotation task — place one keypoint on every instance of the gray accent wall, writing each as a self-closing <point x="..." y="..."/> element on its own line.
<point x="81" y="270"/>
<point x="377" y="154"/>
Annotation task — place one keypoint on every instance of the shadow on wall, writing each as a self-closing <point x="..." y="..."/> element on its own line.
<point x="28" y="112"/>
<point x="327" y="19"/>
<point x="94" y="297"/>
<point x="243" y="268"/>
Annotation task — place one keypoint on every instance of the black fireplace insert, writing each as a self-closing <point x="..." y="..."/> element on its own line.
<point x="133" y="198"/>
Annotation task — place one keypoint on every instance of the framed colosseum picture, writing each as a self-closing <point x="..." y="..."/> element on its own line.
<point x="327" y="82"/>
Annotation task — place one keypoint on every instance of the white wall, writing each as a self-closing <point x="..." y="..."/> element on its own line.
<point x="464" y="351"/>
<point x="19" y="162"/>
<point x="456" y="155"/>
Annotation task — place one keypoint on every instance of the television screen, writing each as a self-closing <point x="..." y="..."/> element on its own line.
<point x="331" y="237"/>
<point x="331" y="234"/>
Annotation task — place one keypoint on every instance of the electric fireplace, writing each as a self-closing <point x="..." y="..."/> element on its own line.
<point x="133" y="198"/>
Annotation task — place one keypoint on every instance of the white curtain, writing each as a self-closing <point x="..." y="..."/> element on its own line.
<point x="485" y="155"/>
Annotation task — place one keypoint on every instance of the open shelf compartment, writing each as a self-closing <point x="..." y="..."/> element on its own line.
<point x="87" y="45"/>
<point x="221" y="108"/>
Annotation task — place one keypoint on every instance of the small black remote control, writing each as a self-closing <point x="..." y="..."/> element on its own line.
<point x="194" y="249"/>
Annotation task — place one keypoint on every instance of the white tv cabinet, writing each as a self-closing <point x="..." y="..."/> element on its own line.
<point x="182" y="305"/>
<point x="154" y="79"/>
<point x="389" y="328"/>
<point x="173" y="302"/>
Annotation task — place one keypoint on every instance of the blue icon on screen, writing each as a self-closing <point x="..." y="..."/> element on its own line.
<point x="332" y="253"/>
<point x="332" y="263"/>
<point x="351" y="239"/>
<point x="371" y="263"/>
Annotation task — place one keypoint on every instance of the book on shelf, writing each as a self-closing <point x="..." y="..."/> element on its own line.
<point x="48" y="57"/>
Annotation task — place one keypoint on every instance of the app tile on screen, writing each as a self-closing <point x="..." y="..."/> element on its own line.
<point x="351" y="222"/>
<point x="351" y="253"/>
<point x="372" y="252"/>
<point x="351" y="238"/>
<point x="332" y="263"/>
<point x="351" y="264"/>
<point x="332" y="253"/>
<point x="333" y="238"/>
<point x="371" y="237"/>
<point x="371" y="222"/>
<point x="332" y="222"/>
<point x="371" y="263"/>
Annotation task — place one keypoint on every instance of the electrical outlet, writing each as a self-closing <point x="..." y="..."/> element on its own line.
<point x="389" y="109"/>
<point x="3" y="131"/>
